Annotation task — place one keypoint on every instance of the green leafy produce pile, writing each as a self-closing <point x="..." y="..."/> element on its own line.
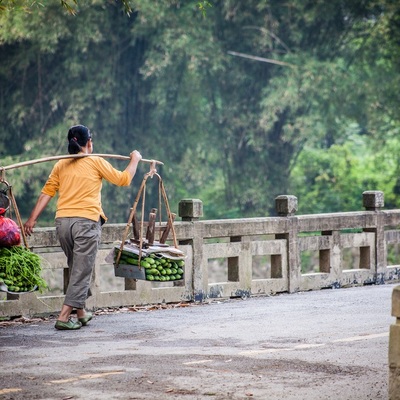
<point x="157" y="268"/>
<point x="20" y="269"/>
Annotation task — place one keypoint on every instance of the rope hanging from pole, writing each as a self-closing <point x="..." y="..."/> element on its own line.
<point x="141" y="195"/>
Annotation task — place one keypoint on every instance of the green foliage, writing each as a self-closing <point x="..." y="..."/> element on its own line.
<point x="334" y="180"/>
<point x="203" y="5"/>
<point x="72" y="6"/>
<point x="258" y="99"/>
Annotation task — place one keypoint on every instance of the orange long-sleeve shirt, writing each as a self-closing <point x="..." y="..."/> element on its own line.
<point x="79" y="182"/>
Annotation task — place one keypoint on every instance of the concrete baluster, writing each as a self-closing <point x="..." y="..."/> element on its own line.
<point x="374" y="200"/>
<point x="191" y="210"/>
<point x="287" y="206"/>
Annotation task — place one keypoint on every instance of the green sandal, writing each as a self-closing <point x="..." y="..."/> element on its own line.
<point x="70" y="325"/>
<point x="84" y="320"/>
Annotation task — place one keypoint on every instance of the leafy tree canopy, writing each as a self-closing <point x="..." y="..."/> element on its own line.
<point x="258" y="99"/>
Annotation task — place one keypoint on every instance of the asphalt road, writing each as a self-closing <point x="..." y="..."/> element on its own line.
<point x="330" y="344"/>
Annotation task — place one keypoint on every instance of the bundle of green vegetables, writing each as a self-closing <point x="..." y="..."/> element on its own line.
<point x="20" y="269"/>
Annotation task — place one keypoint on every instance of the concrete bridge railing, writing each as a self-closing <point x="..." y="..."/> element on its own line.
<point x="230" y="249"/>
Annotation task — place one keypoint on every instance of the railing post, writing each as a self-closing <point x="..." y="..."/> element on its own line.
<point x="191" y="210"/>
<point x="287" y="206"/>
<point x="394" y="348"/>
<point x="374" y="200"/>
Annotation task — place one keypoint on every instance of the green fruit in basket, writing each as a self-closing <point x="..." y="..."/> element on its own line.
<point x="163" y="272"/>
<point x="154" y="271"/>
<point x="149" y="260"/>
<point x="180" y="271"/>
<point x="168" y="271"/>
<point x="150" y="277"/>
<point x="174" y="271"/>
<point x="172" y="277"/>
<point x="145" y="264"/>
<point x="132" y="261"/>
<point x="178" y="276"/>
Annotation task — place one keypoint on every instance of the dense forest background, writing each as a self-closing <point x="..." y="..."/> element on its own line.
<point x="255" y="99"/>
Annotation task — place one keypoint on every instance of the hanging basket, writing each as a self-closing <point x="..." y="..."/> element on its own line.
<point x="5" y="288"/>
<point x="142" y="257"/>
<point x="7" y="200"/>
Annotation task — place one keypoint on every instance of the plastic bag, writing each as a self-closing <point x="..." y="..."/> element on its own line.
<point x="9" y="233"/>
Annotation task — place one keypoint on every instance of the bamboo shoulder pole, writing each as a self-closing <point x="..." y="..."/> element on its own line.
<point x="55" y="158"/>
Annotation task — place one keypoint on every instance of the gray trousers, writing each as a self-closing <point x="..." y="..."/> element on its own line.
<point x="79" y="238"/>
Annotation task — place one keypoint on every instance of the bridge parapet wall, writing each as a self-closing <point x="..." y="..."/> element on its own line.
<point x="236" y="258"/>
